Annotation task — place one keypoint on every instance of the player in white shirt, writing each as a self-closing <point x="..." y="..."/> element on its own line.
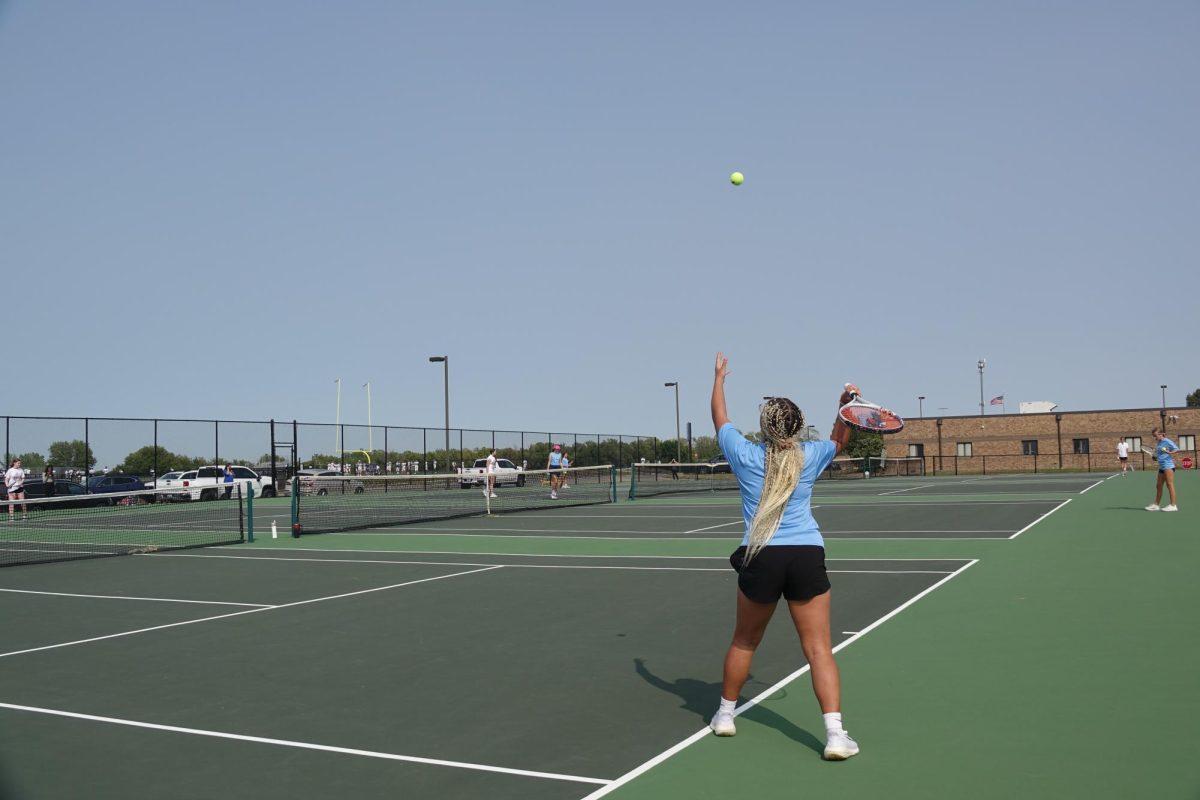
<point x="566" y="462"/>
<point x="490" y="469"/>
<point x="1123" y="455"/>
<point x="14" y="484"/>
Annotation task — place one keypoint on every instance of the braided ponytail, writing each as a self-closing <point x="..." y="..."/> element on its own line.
<point x="781" y="420"/>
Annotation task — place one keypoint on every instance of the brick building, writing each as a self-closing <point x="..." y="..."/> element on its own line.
<point x="1073" y="440"/>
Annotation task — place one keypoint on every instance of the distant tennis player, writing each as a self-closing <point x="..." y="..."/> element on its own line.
<point x="1163" y="452"/>
<point x="782" y="552"/>
<point x="14" y="484"/>
<point x="490" y="469"/>
<point x="1123" y="455"/>
<point x="566" y="465"/>
<point x="554" y="465"/>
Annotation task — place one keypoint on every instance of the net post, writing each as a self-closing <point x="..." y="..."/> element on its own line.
<point x="612" y="478"/>
<point x="296" y="507"/>
<point x="241" y="517"/>
<point x="249" y="511"/>
<point x="633" y="473"/>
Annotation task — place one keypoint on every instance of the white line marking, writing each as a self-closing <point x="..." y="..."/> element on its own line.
<point x="1093" y="486"/>
<point x="555" y="566"/>
<point x="210" y="554"/>
<point x="150" y="599"/>
<point x="909" y="489"/>
<point x="722" y="525"/>
<point x="1039" y="519"/>
<point x="700" y="734"/>
<point x="238" y="613"/>
<point x="306" y="745"/>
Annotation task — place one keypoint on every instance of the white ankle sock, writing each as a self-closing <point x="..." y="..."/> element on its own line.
<point x="833" y="721"/>
<point x="727" y="705"/>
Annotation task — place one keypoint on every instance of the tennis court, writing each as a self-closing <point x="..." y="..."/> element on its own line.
<point x="574" y="651"/>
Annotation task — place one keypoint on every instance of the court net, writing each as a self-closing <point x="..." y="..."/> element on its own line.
<point x="650" y="480"/>
<point x="329" y="504"/>
<point x="41" y="529"/>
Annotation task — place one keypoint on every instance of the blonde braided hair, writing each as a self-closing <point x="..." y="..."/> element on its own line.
<point x="781" y="420"/>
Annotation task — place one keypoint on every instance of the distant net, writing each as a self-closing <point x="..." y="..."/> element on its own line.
<point x="329" y="504"/>
<point x="652" y="480"/>
<point x="897" y="467"/>
<point x="42" y="529"/>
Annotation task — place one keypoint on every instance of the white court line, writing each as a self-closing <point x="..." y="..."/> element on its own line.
<point x="1093" y="486"/>
<point x="473" y="553"/>
<point x="909" y="489"/>
<point x="705" y="731"/>
<point x="1039" y="519"/>
<point x="305" y="745"/>
<point x="237" y="613"/>
<point x="548" y="566"/>
<point x="150" y="599"/>
<point x="722" y="525"/>
<point x="516" y="533"/>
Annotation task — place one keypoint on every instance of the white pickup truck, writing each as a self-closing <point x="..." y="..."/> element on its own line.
<point x="507" y="474"/>
<point x="208" y="483"/>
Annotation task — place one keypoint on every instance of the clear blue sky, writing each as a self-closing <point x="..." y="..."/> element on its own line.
<point x="216" y="209"/>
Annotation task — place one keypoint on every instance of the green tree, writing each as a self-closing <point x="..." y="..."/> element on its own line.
<point x="35" y="462"/>
<point x="863" y="445"/>
<point x="74" y="454"/>
<point x="1193" y="399"/>
<point x="141" y="461"/>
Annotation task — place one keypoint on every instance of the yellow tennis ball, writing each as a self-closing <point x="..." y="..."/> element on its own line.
<point x="737" y="178"/>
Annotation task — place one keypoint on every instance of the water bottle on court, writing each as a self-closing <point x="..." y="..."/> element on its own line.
<point x="274" y="530"/>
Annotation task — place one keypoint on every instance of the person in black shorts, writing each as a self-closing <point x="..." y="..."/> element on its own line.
<point x="782" y="552"/>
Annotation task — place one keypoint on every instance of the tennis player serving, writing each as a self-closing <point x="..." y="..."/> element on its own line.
<point x="782" y="552"/>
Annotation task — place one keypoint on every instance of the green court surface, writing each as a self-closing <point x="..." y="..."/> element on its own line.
<point x="1025" y="636"/>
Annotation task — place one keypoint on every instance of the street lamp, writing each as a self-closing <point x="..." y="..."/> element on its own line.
<point x="981" y="364"/>
<point x="1163" y="413"/>
<point x="678" y="444"/>
<point x="921" y="407"/>
<point x="445" y="360"/>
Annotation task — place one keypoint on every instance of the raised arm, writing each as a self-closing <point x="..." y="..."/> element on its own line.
<point x="719" y="415"/>
<point x="841" y="431"/>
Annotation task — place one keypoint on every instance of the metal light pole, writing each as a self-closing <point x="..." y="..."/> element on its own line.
<point x="678" y="445"/>
<point x="921" y="407"/>
<point x="981" y="364"/>
<point x="370" y="445"/>
<point x="1163" y="413"/>
<point x="445" y="360"/>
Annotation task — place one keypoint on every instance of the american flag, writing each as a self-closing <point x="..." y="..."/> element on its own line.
<point x="998" y="400"/>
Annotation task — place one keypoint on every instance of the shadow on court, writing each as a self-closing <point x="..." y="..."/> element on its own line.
<point x="700" y="698"/>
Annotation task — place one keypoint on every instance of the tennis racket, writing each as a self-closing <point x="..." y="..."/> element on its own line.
<point x="1148" y="451"/>
<point x="867" y="416"/>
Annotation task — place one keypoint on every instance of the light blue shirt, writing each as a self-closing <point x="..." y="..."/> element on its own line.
<point x="555" y="458"/>
<point x="748" y="460"/>
<point x="1163" y="451"/>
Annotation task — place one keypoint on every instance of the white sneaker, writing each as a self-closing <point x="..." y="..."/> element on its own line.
<point x="840" y="746"/>
<point x="554" y="495"/>
<point x="492" y="495"/>
<point x="722" y="723"/>
<point x="1153" y="507"/>
<point x="1171" y="507"/>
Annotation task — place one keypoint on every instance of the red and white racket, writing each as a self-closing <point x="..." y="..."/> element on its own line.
<point x="867" y="416"/>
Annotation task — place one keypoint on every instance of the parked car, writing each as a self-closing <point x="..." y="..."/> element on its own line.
<point x="507" y="474"/>
<point x="163" y="481"/>
<point x="325" y="481"/>
<point x="718" y="464"/>
<point x="101" y="484"/>
<point x="208" y="483"/>
<point x="74" y="495"/>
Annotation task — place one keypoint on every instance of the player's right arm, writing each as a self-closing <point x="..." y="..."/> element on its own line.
<point x="719" y="414"/>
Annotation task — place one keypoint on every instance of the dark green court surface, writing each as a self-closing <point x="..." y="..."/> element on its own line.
<point x="577" y="653"/>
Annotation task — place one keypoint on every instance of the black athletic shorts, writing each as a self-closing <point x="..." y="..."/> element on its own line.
<point x="796" y="571"/>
